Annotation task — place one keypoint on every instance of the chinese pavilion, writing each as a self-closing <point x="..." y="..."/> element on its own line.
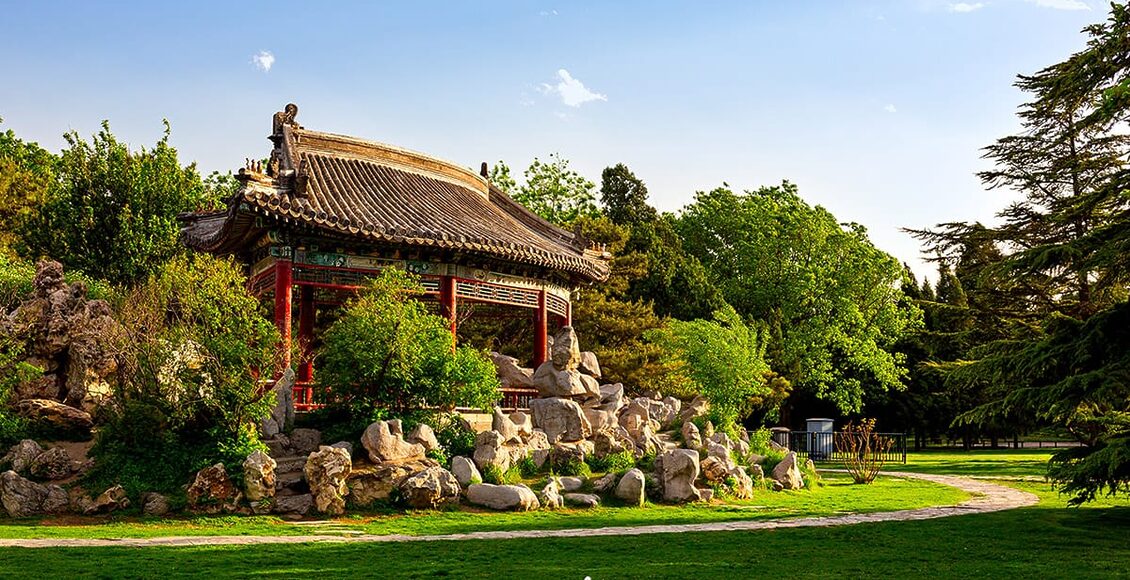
<point x="328" y="210"/>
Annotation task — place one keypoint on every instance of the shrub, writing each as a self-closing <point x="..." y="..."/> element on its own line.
<point x="759" y="441"/>
<point x="572" y="466"/>
<point x="613" y="462"/>
<point x="725" y="358"/>
<point x="527" y="467"/>
<point x="189" y="391"/>
<point x="865" y="450"/>
<point x="494" y="474"/>
<point x="386" y="351"/>
<point x="455" y="436"/>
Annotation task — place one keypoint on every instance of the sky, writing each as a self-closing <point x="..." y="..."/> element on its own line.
<point x="877" y="110"/>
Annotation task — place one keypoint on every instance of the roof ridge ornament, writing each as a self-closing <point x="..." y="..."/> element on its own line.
<point x="283" y="118"/>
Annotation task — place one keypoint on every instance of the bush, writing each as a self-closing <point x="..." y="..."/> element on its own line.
<point x="572" y="466"/>
<point x="613" y="462"/>
<point x="865" y="450"/>
<point x="189" y="392"/>
<point x="759" y="441"/>
<point x="13" y="371"/>
<point x="527" y="467"/>
<point x="386" y="351"/>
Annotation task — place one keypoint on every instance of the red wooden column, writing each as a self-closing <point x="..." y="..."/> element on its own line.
<point x="306" y="332"/>
<point x="447" y="302"/>
<point x="540" y="321"/>
<point x="284" y="269"/>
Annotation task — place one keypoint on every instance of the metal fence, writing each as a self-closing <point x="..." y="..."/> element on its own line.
<point x="832" y="446"/>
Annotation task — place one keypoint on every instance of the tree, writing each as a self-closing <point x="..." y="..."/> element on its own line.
<point x="555" y="192"/>
<point x="831" y="300"/>
<point x="386" y="352"/>
<point x="624" y="196"/>
<point x="27" y="172"/>
<point x="111" y="213"/>
<point x="725" y="359"/>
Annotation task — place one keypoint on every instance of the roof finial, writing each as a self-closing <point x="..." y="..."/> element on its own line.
<point x="484" y="170"/>
<point x="285" y="117"/>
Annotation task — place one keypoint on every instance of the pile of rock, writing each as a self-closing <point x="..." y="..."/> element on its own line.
<point x="72" y="339"/>
<point x="31" y="484"/>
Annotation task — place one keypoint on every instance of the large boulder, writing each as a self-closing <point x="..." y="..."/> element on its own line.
<point x="601" y="420"/>
<point x="505" y="426"/>
<point x="509" y="373"/>
<point x="787" y="472"/>
<point x="604" y="483"/>
<point x="372" y="483"/>
<point x="632" y="488"/>
<point x="677" y="470"/>
<point x="22" y="456"/>
<point x="430" y="488"/>
<point x="503" y="497"/>
<point x="425" y="436"/>
<point x="524" y="423"/>
<point x="384" y="442"/>
<point x="465" y="471"/>
<point x="22" y="497"/>
<point x="305" y="441"/>
<point x="112" y="499"/>
<point x="635" y="417"/>
<point x="154" y="504"/>
<point x="551" y="381"/>
<point x="561" y="419"/>
<point x="698" y="407"/>
<point x="64" y="420"/>
<point x="691" y="437"/>
<point x="589" y="364"/>
<point x="259" y="476"/>
<point x="300" y="504"/>
<point x="566" y="351"/>
<point x="612" y="397"/>
<point x="490" y="450"/>
<point x="609" y="441"/>
<point x="582" y="500"/>
<point x="282" y="414"/>
<point x="55" y="463"/>
<point x="326" y="471"/>
<point x="212" y="491"/>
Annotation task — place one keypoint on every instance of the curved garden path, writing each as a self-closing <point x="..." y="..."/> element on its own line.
<point x="987" y="497"/>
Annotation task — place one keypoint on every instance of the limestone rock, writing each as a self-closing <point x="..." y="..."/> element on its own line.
<point x="524" y="423"/>
<point x="424" y="436"/>
<point x="538" y="440"/>
<point x="503" y="497"/>
<point x="604" y="483"/>
<point x="282" y="414"/>
<point x="571" y="483"/>
<point x="212" y="491"/>
<point x="259" y="476"/>
<point x="22" y="498"/>
<point x="551" y="381"/>
<point x="326" y="470"/>
<point x="501" y="422"/>
<point x="430" y="488"/>
<point x="612" y="397"/>
<point x="551" y="494"/>
<point x="154" y="504"/>
<point x="787" y="472"/>
<point x="22" y="456"/>
<point x="110" y="500"/>
<point x="698" y="407"/>
<point x="294" y="504"/>
<point x="714" y="470"/>
<point x="67" y="421"/>
<point x="582" y="500"/>
<point x="635" y="417"/>
<point x="678" y="469"/>
<point x="706" y="494"/>
<point x="372" y="483"/>
<point x="465" y="471"/>
<point x="509" y="373"/>
<point x="305" y="441"/>
<point x="561" y="419"/>
<point x="631" y="488"/>
<point x="55" y="463"/>
<point x="611" y="441"/>
<point x="384" y="442"/>
<point x="564" y="455"/>
<point x="589" y="365"/>
<point x="691" y="437"/>
<point x="489" y="450"/>
<point x="601" y="420"/>
<point x="566" y="351"/>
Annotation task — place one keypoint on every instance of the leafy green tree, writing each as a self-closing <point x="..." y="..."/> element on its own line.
<point x="27" y="172"/>
<point x="725" y="359"/>
<point x="672" y="280"/>
<point x="831" y="300"/>
<point x="624" y="196"/>
<point x="111" y="212"/>
<point x="386" y="352"/>
<point x="500" y="177"/>
<point x="194" y="351"/>
<point x="555" y="192"/>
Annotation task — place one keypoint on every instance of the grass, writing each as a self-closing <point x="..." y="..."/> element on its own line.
<point x="836" y="496"/>
<point x="982" y="463"/>
<point x="1047" y="540"/>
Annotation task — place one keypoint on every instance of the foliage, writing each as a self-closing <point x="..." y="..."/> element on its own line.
<point x="494" y="474"/>
<point x="15" y="282"/>
<point x="555" y="192"/>
<point x="13" y="371"/>
<point x="27" y="173"/>
<point x="624" y="196"/>
<point x="831" y="300"/>
<point x="386" y="351"/>
<point x="454" y="435"/>
<point x="611" y="463"/>
<point x="865" y="449"/>
<point x="571" y="466"/>
<point x="111" y="212"/>
<point x="527" y="467"/>
<point x="500" y="177"/>
<point x="190" y="393"/>
<point x="725" y="358"/>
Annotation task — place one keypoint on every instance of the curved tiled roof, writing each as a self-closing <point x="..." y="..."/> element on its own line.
<point x="372" y="191"/>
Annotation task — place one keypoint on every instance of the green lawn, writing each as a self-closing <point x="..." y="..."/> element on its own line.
<point x="989" y="463"/>
<point x="837" y="496"/>
<point x="1044" y="541"/>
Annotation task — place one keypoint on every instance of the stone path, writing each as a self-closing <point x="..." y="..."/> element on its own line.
<point x="988" y="497"/>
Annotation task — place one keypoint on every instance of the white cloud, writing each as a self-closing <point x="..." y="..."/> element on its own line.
<point x="572" y="91"/>
<point x="548" y="13"/>
<point x="966" y="7"/>
<point x="1062" y="4"/>
<point x="890" y="108"/>
<point x="263" y="61"/>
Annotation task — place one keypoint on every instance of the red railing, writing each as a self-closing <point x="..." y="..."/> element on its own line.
<point x="512" y="398"/>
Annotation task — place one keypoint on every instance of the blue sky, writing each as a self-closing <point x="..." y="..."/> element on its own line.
<point x="877" y="110"/>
